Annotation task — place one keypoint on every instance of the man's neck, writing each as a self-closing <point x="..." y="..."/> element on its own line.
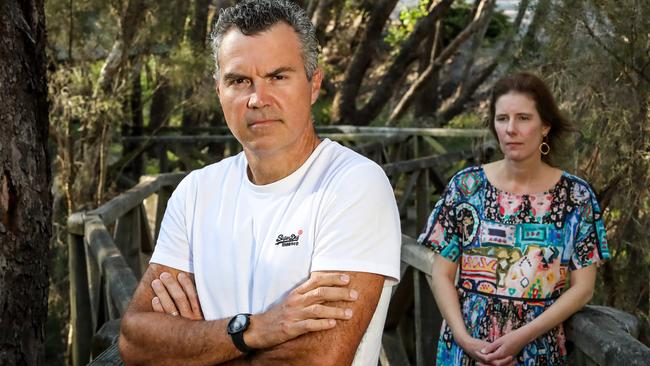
<point x="268" y="167"/>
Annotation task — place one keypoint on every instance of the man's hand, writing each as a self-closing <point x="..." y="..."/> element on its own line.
<point x="176" y="296"/>
<point x="301" y="312"/>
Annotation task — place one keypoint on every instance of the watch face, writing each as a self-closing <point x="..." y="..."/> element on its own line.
<point x="237" y="323"/>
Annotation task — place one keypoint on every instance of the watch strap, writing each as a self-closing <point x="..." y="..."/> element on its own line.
<point x="238" y="340"/>
<point x="238" y="337"/>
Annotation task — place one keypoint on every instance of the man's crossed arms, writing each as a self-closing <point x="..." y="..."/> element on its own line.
<point x="320" y="322"/>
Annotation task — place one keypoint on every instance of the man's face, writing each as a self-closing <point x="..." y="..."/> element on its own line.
<point x="264" y="92"/>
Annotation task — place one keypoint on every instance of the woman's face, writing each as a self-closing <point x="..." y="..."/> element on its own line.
<point x="519" y="128"/>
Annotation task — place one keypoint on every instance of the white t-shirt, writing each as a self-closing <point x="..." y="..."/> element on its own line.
<point x="249" y="245"/>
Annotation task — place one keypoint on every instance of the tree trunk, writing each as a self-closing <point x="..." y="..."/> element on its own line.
<point x="135" y="128"/>
<point x="344" y="104"/>
<point x="322" y="17"/>
<point x="389" y="81"/>
<point x="130" y="20"/>
<point x="426" y="101"/>
<point x="436" y="64"/>
<point x="197" y="36"/>
<point x="162" y="100"/>
<point x="25" y="183"/>
<point x="466" y="89"/>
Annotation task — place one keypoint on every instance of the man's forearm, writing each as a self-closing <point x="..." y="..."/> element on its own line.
<point x="153" y="338"/>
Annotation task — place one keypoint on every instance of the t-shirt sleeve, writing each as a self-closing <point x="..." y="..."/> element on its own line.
<point x="441" y="232"/>
<point x="359" y="228"/>
<point x="173" y="246"/>
<point x="590" y="241"/>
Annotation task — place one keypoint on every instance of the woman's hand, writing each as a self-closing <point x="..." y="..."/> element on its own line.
<point x="473" y="347"/>
<point x="504" y="350"/>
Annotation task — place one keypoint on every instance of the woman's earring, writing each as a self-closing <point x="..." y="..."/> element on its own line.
<point x="544" y="147"/>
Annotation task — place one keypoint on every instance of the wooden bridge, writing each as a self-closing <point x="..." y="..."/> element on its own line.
<point x="110" y="246"/>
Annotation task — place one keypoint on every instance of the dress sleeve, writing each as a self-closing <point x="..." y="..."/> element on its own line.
<point x="441" y="233"/>
<point x="590" y="241"/>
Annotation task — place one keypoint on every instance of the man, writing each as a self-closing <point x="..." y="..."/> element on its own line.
<point x="302" y="233"/>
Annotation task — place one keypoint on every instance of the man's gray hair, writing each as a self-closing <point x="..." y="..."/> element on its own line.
<point x="255" y="16"/>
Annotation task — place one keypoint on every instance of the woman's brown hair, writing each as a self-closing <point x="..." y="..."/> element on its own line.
<point x="536" y="89"/>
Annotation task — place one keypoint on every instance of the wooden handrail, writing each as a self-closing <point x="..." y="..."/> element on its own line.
<point x="91" y="237"/>
<point x="118" y="206"/>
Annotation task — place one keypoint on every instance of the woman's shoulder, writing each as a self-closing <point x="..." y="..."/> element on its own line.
<point x="468" y="180"/>
<point x="580" y="191"/>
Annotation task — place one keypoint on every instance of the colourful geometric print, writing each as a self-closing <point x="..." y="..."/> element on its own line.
<point x="515" y="253"/>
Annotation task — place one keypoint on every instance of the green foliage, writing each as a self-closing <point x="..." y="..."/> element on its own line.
<point x="595" y="57"/>
<point x="407" y="19"/>
<point x="456" y="19"/>
<point x="467" y="120"/>
<point x="460" y="15"/>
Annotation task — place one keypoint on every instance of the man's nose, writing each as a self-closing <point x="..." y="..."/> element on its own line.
<point x="259" y="97"/>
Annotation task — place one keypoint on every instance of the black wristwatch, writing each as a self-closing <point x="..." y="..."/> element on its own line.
<point x="236" y="327"/>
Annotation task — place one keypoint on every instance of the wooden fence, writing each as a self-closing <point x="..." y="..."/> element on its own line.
<point x="109" y="248"/>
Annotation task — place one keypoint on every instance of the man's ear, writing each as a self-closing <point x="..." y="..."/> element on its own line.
<point x="316" y="80"/>
<point x="216" y="85"/>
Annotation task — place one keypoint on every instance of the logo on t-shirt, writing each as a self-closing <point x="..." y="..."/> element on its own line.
<point x="288" y="240"/>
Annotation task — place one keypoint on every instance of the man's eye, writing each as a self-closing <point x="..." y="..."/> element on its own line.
<point x="501" y="119"/>
<point x="279" y="77"/>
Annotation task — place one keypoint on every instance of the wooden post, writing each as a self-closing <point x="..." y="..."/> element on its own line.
<point x="163" y="162"/>
<point x="424" y="320"/>
<point x="422" y="193"/>
<point x="163" y="196"/>
<point x="80" y="318"/>
<point x="146" y="239"/>
<point x="127" y="238"/>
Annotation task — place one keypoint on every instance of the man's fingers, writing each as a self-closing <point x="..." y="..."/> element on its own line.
<point x="318" y="279"/>
<point x="155" y="304"/>
<point x="177" y="294"/>
<point x="314" y="325"/>
<point x="318" y="311"/>
<point x="166" y="302"/>
<point x="324" y="294"/>
<point x="190" y="290"/>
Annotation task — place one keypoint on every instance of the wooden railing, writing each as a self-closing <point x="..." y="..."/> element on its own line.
<point x="109" y="248"/>
<point x="381" y="144"/>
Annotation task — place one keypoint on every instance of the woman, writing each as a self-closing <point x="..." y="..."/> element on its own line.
<point x="517" y="227"/>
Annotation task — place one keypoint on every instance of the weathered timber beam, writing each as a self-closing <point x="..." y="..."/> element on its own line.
<point x="125" y="202"/>
<point x="116" y="272"/>
<point x="606" y="335"/>
<point x="436" y="132"/>
<point x="416" y="255"/>
<point x="424" y="163"/>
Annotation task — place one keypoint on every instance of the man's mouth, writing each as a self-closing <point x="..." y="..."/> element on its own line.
<point x="262" y="122"/>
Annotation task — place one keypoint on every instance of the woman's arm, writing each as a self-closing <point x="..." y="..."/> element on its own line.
<point x="444" y="291"/>
<point x="577" y="296"/>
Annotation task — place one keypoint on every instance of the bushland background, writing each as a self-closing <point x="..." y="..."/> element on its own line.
<point x="120" y="67"/>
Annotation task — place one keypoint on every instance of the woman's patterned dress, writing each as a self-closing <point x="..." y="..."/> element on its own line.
<point x="515" y="253"/>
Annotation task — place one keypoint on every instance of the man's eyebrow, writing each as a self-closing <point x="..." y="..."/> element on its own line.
<point x="280" y="70"/>
<point x="233" y="76"/>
